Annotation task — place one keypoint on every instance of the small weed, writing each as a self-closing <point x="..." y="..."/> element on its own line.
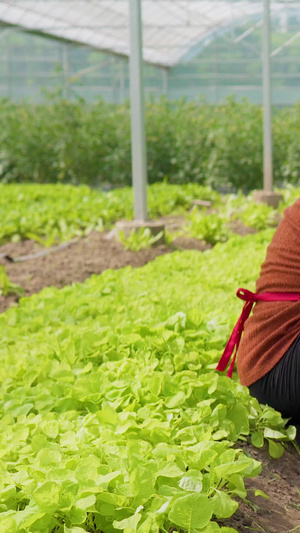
<point x="7" y="287"/>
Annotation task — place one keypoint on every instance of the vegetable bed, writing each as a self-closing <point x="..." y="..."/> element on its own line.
<point x="112" y="415"/>
<point x="50" y="214"/>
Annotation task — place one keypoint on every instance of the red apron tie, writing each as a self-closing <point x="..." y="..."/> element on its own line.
<point x="250" y="298"/>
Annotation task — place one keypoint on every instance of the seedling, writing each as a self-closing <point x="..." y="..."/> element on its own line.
<point x="7" y="287"/>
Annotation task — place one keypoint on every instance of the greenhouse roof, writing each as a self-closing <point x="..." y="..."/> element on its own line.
<point x="171" y="28"/>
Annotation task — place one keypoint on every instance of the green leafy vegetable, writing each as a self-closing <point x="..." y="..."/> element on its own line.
<point x="140" y="239"/>
<point x="112" y="416"/>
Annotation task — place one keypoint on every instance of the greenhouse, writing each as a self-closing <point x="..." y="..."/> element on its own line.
<point x="149" y="266"/>
<point x="192" y="48"/>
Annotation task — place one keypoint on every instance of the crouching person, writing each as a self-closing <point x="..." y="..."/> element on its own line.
<point x="268" y="359"/>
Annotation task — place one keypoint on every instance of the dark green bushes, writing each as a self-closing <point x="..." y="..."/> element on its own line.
<point x="76" y="142"/>
<point x="235" y="140"/>
<point x="60" y="141"/>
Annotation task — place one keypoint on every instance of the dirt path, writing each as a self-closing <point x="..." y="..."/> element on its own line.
<point x="280" y="480"/>
<point x="75" y="263"/>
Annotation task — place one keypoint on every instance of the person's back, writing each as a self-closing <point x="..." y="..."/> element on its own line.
<point x="274" y="327"/>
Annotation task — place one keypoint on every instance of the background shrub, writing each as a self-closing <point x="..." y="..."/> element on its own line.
<point x="77" y="142"/>
<point x="286" y="133"/>
<point x="235" y="146"/>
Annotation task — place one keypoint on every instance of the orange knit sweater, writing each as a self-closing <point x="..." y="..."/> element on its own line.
<point x="273" y="326"/>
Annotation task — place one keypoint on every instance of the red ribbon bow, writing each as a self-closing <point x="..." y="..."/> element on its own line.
<point x="250" y="298"/>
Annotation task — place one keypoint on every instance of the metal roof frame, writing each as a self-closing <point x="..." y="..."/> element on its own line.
<point x="170" y="28"/>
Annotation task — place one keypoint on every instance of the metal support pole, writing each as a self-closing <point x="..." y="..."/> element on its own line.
<point x="138" y="135"/>
<point x="216" y="91"/>
<point x="122" y="81"/>
<point x="165" y="81"/>
<point x="65" y="66"/>
<point x="9" y="85"/>
<point x="268" y="155"/>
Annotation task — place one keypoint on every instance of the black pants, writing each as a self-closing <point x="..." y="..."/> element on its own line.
<point x="280" y="388"/>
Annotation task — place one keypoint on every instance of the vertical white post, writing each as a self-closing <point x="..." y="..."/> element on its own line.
<point x="9" y="93"/>
<point x="65" y="66"/>
<point x="138" y="135"/>
<point x="268" y="155"/>
<point x="165" y="81"/>
<point x="122" y="81"/>
<point x="216" y="70"/>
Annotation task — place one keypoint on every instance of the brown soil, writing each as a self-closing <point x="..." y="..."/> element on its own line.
<point x="280" y="479"/>
<point x="238" y="227"/>
<point x="78" y="261"/>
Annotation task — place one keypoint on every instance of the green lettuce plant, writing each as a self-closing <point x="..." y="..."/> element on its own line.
<point x="112" y="416"/>
<point x="208" y="227"/>
<point x="139" y="239"/>
<point x="257" y="216"/>
<point x="53" y="213"/>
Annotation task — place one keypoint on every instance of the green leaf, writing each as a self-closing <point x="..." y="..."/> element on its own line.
<point x="142" y="483"/>
<point x="176" y="400"/>
<point x="170" y="470"/>
<point x="291" y="432"/>
<point x="212" y="527"/>
<point x="8" y="524"/>
<point x="74" y="530"/>
<point x="77" y="516"/>
<point x="276" y="450"/>
<point x="224" y="505"/>
<point x="68" y="493"/>
<point x="239" y="415"/>
<point x="107" y="415"/>
<point x="32" y="515"/>
<point x="38" y="442"/>
<point x="47" y="496"/>
<point x="86" y="470"/>
<point x="104" y="481"/>
<point x="86" y="502"/>
<point x="148" y="525"/>
<point x="257" y="439"/>
<point x="50" y="428"/>
<point x="261" y="493"/>
<point x="192" y="481"/>
<point x="129" y="524"/>
<point x="7" y="493"/>
<point x="191" y="511"/>
<point x="273" y="434"/>
<point x="227" y="469"/>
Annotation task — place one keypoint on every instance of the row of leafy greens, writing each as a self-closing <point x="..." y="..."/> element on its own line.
<point x="112" y="417"/>
<point x="50" y="213"/>
<point x="54" y="213"/>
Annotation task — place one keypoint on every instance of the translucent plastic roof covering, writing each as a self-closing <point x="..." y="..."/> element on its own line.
<point x="171" y="28"/>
